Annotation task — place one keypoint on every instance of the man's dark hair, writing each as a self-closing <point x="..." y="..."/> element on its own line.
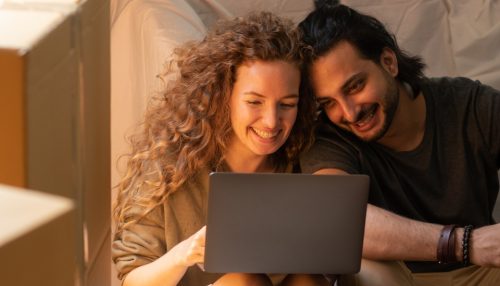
<point x="331" y="23"/>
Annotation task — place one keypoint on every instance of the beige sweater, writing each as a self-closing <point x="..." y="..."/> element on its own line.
<point x="182" y="215"/>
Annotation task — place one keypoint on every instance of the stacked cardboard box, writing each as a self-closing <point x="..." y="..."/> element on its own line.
<point x="54" y="114"/>
<point x="37" y="244"/>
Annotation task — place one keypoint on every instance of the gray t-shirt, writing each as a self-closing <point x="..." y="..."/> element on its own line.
<point x="450" y="178"/>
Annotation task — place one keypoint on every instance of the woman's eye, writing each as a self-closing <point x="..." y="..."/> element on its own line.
<point x="253" y="102"/>
<point x="289" y="105"/>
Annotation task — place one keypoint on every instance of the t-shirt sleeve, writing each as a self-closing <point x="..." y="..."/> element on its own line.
<point x="487" y="112"/>
<point x="330" y="151"/>
<point x="139" y="243"/>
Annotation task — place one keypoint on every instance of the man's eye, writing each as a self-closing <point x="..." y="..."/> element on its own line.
<point x="358" y="85"/>
<point x="325" y="104"/>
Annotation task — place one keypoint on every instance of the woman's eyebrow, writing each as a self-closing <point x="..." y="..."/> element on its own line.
<point x="292" y="95"/>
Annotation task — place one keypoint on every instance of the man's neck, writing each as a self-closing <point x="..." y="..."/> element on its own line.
<point x="408" y="125"/>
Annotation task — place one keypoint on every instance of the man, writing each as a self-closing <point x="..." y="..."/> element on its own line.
<point x="430" y="146"/>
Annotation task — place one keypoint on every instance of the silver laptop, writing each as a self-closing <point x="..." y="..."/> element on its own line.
<point x="285" y="223"/>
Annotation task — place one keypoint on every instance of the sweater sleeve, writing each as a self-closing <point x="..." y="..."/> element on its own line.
<point x="139" y="243"/>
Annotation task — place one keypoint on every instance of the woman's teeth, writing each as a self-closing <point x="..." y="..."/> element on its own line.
<point x="265" y="134"/>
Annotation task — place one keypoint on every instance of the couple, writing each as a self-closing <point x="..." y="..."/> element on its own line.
<point x="245" y="101"/>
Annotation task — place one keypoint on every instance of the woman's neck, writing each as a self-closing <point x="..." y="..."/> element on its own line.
<point x="244" y="162"/>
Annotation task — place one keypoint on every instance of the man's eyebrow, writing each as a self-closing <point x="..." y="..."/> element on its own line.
<point x="321" y="100"/>
<point x="345" y="87"/>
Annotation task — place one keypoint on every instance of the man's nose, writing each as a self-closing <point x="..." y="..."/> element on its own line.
<point x="349" y="111"/>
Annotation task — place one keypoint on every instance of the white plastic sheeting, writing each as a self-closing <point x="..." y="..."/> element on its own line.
<point x="142" y="39"/>
<point x="455" y="38"/>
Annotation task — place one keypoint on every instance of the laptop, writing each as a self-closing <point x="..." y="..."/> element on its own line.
<point x="285" y="223"/>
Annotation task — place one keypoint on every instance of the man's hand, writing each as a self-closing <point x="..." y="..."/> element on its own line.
<point x="485" y="246"/>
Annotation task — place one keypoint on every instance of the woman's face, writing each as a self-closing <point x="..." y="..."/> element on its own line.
<point x="263" y="106"/>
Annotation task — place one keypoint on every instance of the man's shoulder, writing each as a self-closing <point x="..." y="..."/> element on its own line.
<point x="327" y="131"/>
<point x="450" y="91"/>
<point x="449" y="82"/>
<point x="334" y="148"/>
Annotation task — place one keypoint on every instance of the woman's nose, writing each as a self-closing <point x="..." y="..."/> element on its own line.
<point x="270" y="117"/>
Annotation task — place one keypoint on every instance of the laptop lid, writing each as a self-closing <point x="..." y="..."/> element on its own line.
<point x="285" y="223"/>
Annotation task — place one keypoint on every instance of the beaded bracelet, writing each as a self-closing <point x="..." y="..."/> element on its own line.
<point x="466" y="244"/>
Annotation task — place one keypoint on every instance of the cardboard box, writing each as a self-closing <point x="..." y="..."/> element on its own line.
<point x="54" y="114"/>
<point x="37" y="241"/>
<point x="39" y="91"/>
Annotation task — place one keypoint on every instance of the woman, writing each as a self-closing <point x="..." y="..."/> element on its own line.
<point x="234" y="107"/>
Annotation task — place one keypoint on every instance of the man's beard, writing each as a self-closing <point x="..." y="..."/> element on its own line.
<point x="389" y="106"/>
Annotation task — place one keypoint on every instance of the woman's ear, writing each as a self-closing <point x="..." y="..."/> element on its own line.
<point x="389" y="61"/>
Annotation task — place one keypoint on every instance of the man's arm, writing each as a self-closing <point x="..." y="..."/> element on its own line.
<point x="392" y="237"/>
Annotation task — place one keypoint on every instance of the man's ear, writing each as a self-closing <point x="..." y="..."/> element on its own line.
<point x="389" y="61"/>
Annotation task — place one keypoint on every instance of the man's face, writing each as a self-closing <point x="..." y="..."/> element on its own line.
<point x="357" y="94"/>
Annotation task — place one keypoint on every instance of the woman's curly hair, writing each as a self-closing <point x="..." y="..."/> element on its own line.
<point x="188" y="127"/>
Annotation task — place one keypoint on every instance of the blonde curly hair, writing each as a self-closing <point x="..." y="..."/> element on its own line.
<point x="188" y="127"/>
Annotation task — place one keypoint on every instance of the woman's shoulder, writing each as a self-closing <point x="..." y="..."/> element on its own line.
<point x="195" y="188"/>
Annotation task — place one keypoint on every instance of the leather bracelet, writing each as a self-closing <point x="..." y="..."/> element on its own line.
<point x="452" y="256"/>
<point x="466" y="244"/>
<point x="446" y="245"/>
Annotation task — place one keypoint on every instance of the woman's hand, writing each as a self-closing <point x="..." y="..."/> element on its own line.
<point x="171" y="267"/>
<point x="192" y="250"/>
